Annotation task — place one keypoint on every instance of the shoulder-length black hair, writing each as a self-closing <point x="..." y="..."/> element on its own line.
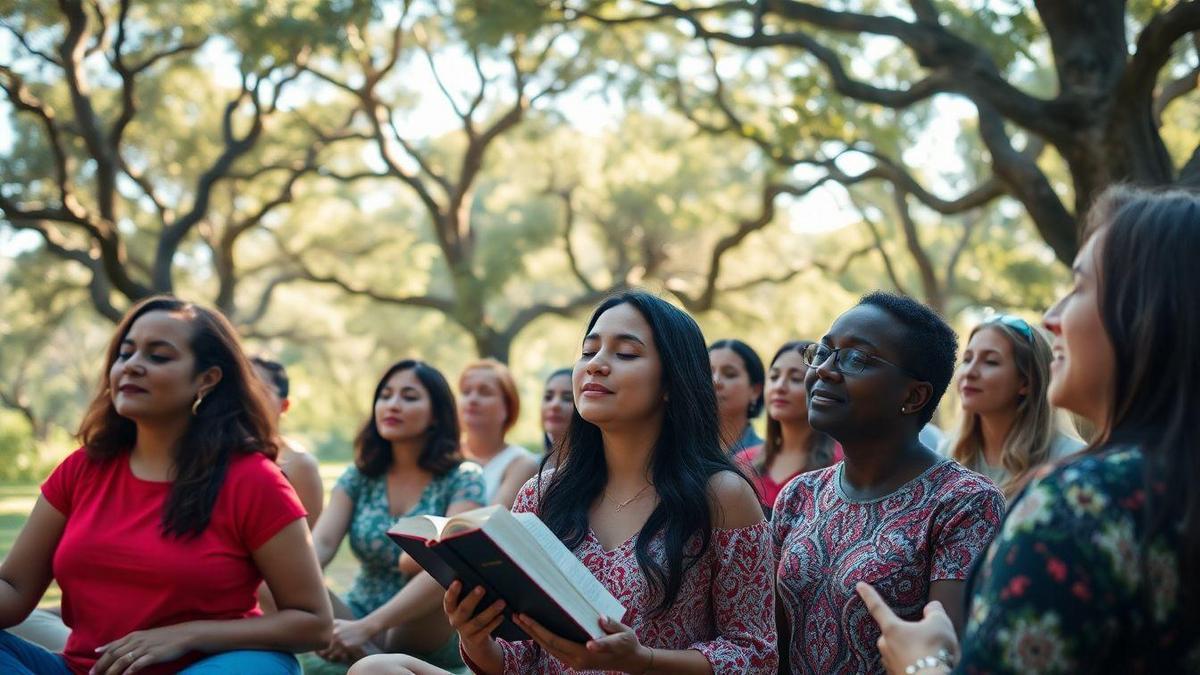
<point x="441" y="454"/>
<point x="1150" y="308"/>
<point x="686" y="455"/>
<point x="233" y="419"/>
<point x="753" y="366"/>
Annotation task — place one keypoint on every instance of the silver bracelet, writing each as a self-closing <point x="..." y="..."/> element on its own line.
<point x="941" y="658"/>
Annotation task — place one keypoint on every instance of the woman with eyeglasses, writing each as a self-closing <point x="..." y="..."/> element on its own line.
<point x="1007" y="428"/>
<point x="1097" y="568"/>
<point x="893" y="513"/>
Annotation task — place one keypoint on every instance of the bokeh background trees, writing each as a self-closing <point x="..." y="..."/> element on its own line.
<point x="354" y="181"/>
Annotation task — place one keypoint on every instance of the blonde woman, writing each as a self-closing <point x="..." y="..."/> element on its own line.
<point x="1008" y="425"/>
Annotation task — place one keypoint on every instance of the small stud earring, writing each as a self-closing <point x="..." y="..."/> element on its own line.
<point x="903" y="410"/>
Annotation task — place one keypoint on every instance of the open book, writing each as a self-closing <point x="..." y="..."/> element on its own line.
<point x="515" y="557"/>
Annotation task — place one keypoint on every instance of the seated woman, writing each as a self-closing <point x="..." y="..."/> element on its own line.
<point x="1096" y="568"/>
<point x="893" y="513"/>
<point x="488" y="406"/>
<point x="737" y="375"/>
<point x="1007" y="427"/>
<point x="792" y="446"/>
<point x="407" y="462"/>
<point x="160" y="528"/>
<point x="653" y="507"/>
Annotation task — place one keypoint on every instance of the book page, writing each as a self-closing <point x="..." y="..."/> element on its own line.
<point x="469" y="520"/>
<point x="428" y="528"/>
<point x="582" y="580"/>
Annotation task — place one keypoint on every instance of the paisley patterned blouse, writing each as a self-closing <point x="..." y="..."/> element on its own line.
<point x="930" y="529"/>
<point x="1064" y="588"/>
<point x="725" y="608"/>
<point x="378" y="578"/>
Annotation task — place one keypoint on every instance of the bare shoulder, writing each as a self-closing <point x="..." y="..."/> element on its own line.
<point x="735" y="504"/>
<point x="293" y="458"/>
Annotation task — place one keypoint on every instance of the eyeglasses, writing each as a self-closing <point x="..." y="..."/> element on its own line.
<point x="848" y="361"/>
<point x="1016" y="323"/>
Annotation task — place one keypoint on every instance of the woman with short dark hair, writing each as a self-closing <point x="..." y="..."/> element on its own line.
<point x="892" y="512"/>
<point x="737" y="375"/>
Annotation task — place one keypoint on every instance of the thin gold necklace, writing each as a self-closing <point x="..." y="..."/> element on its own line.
<point x="629" y="501"/>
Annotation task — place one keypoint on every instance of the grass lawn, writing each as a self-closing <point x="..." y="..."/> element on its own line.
<point x="16" y="501"/>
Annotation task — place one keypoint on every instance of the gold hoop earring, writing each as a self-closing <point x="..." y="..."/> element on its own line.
<point x="196" y="405"/>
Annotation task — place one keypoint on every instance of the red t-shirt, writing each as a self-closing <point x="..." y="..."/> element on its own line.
<point x="119" y="574"/>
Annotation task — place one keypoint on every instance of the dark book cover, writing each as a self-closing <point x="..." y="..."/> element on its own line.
<point x="475" y="560"/>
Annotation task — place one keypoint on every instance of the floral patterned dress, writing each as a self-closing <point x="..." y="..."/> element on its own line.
<point x="378" y="578"/>
<point x="725" y="608"/>
<point x="1063" y="588"/>
<point x="932" y="528"/>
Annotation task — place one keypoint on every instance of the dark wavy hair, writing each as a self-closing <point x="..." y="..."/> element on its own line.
<point x="1148" y="296"/>
<point x="820" y="445"/>
<point x="441" y="454"/>
<point x="753" y="366"/>
<point x="233" y="419"/>
<point x="685" y="456"/>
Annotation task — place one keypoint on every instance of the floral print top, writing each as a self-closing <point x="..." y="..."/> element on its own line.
<point x="378" y="578"/>
<point x="932" y="528"/>
<point x="725" y="608"/>
<point x="1062" y="589"/>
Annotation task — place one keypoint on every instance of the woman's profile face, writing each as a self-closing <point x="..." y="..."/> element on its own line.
<point x="1083" y="367"/>
<point x="618" y="378"/>
<point x="153" y="376"/>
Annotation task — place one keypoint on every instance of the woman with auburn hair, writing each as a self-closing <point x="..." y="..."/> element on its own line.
<point x="792" y="446"/>
<point x="407" y="462"/>
<point x="1097" y="567"/>
<point x="489" y="406"/>
<point x="1007" y="428"/>
<point x="737" y="375"/>
<point x="159" y="529"/>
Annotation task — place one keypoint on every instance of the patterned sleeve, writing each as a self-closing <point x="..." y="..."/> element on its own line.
<point x="963" y="532"/>
<point x="1050" y="593"/>
<point x="743" y="603"/>
<point x="784" y="514"/>
<point x="351" y="482"/>
<point x="467" y="484"/>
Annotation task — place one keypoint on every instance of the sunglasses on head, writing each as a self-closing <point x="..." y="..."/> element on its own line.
<point x="1016" y="323"/>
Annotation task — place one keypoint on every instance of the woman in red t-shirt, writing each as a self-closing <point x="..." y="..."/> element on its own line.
<point x="160" y="528"/>
<point x="792" y="446"/>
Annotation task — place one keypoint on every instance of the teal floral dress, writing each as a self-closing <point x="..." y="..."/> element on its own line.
<point x="378" y="578"/>
<point x="1065" y="587"/>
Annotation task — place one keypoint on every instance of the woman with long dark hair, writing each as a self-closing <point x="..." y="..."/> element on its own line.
<point x="737" y="375"/>
<point x="1008" y="427"/>
<point x="1097" y="567"/>
<point x="159" y="529"/>
<point x="407" y="462"/>
<point x="892" y="512"/>
<point x="792" y="446"/>
<point x="653" y="507"/>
